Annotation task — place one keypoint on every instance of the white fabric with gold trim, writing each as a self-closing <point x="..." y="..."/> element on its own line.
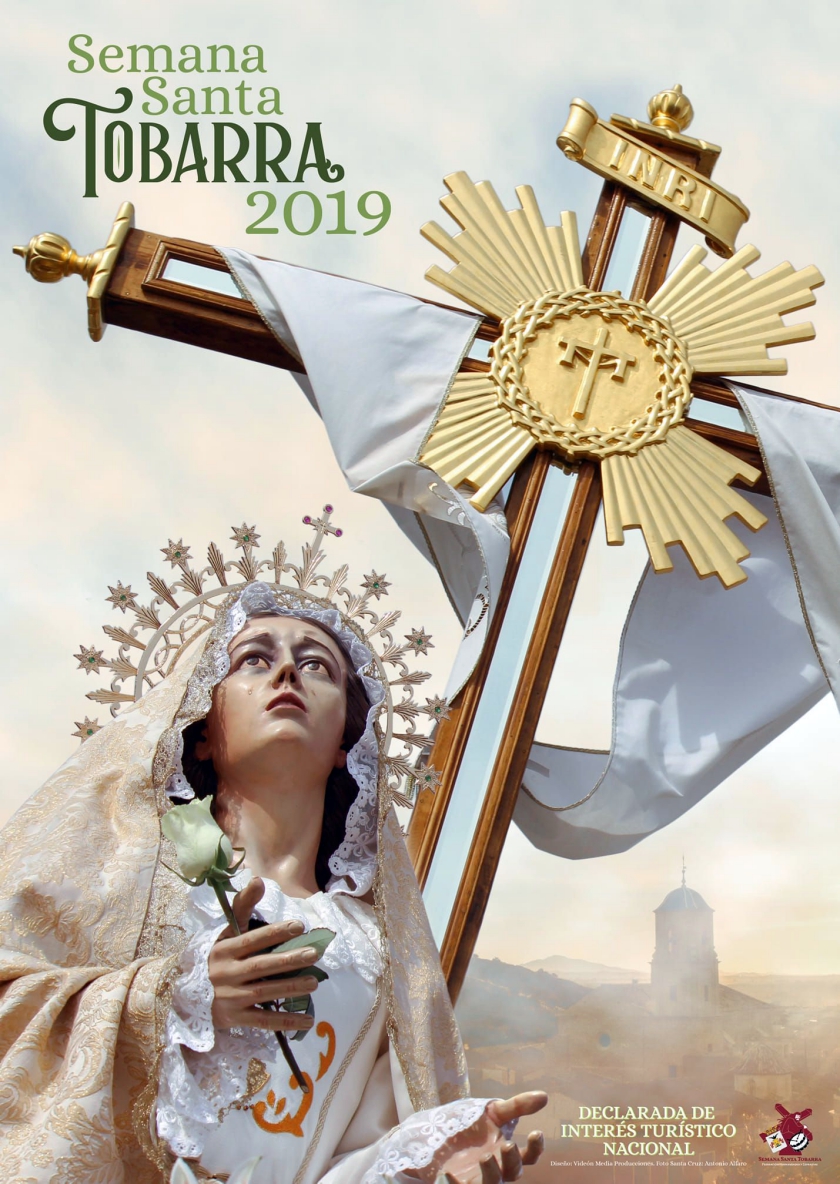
<point x="707" y="677"/>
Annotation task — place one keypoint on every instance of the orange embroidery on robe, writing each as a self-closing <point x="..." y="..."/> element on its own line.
<point x="289" y="1124"/>
<point x="325" y="1029"/>
<point x="292" y="1124"/>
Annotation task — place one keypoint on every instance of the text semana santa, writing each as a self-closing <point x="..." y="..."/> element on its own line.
<point x="245" y="150"/>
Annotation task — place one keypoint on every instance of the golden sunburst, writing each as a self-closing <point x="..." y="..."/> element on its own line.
<point x="600" y="377"/>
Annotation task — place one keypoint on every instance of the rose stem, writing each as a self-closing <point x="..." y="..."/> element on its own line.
<point x="291" y="1062"/>
<point x="230" y="916"/>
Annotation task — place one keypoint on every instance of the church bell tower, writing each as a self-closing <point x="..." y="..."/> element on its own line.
<point x="684" y="968"/>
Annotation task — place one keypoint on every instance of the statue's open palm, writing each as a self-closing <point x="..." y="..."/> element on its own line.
<point x="481" y="1154"/>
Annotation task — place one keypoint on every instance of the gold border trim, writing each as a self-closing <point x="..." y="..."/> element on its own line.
<point x="336" y="1081"/>
<point x="99" y="281"/>
<point x="767" y="472"/>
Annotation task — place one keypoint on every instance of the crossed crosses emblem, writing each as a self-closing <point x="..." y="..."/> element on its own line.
<point x="597" y="357"/>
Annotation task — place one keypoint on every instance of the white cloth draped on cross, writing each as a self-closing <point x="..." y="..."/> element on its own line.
<point x="706" y="676"/>
<point x="378" y="367"/>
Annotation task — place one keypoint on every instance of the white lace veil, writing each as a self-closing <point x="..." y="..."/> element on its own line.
<point x="421" y="1023"/>
<point x="353" y="863"/>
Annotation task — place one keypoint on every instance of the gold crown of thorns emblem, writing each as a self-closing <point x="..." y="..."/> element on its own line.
<point x="599" y="377"/>
<point x="590" y="372"/>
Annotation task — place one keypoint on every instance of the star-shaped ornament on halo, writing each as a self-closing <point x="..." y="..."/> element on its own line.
<point x="86" y="728"/>
<point x="428" y="778"/>
<point x="177" y="553"/>
<point x="245" y="536"/>
<point x="121" y="597"/>
<point x="376" y="584"/>
<point x="419" y="640"/>
<point x="437" y="708"/>
<point x="90" y="659"/>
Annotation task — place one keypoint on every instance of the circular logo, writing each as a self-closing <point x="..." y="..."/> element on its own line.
<point x="591" y="373"/>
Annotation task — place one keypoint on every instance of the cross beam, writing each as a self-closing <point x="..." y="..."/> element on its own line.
<point x="141" y="297"/>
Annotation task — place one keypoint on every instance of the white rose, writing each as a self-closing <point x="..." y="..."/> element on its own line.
<point x="200" y="843"/>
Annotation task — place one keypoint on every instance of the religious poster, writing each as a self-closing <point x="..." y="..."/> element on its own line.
<point x="494" y="343"/>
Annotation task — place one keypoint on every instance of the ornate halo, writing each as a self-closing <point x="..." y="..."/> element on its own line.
<point x="181" y="613"/>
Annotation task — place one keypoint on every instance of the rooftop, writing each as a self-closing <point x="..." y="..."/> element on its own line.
<point x="683" y="898"/>
<point x="761" y="1060"/>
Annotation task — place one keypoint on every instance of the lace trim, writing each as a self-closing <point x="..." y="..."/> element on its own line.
<point x="355" y="857"/>
<point x="353" y="863"/>
<point x="196" y="1087"/>
<point x="190" y="1020"/>
<point x="414" y="1142"/>
<point x="204" y="1070"/>
<point x="357" y="943"/>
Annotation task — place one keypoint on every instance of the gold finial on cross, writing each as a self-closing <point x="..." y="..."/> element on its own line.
<point x="323" y="525"/>
<point x="598" y="358"/>
<point x="671" y="109"/>
<point x="49" y="258"/>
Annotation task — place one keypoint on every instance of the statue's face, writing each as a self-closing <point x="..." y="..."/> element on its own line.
<point x="283" y="700"/>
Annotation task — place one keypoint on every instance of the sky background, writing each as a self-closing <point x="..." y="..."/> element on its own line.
<point x="109" y="450"/>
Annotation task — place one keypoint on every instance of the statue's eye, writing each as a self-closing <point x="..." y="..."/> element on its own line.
<point x="253" y="660"/>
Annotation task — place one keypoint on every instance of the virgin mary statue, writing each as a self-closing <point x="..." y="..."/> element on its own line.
<point x="137" y="1026"/>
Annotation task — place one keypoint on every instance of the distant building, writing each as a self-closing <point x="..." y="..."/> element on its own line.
<point x="764" y="1074"/>
<point x="683" y="1024"/>
<point x="684" y="967"/>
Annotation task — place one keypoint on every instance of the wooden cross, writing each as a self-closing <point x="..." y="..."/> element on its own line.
<point x="135" y="283"/>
